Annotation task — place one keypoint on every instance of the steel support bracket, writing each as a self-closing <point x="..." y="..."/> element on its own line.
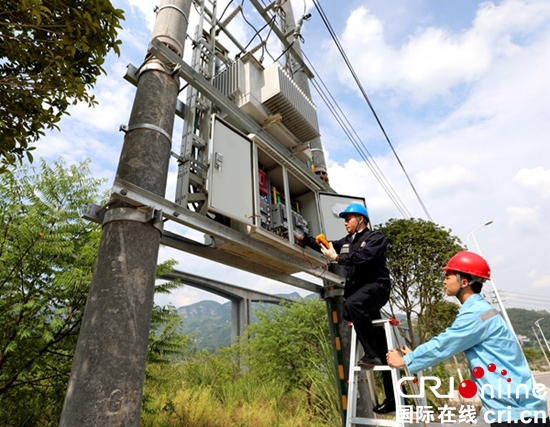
<point x="331" y="292"/>
<point x="144" y="214"/>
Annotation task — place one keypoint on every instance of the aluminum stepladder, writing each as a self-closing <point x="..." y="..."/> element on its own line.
<point x="354" y="370"/>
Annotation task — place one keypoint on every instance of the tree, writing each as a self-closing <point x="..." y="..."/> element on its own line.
<point x="284" y="345"/>
<point x="445" y="313"/>
<point x="291" y="348"/>
<point x="47" y="253"/>
<point x="51" y="53"/>
<point x="417" y="250"/>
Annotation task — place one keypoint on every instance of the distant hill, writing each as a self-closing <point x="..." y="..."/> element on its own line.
<point x="523" y="322"/>
<point x="210" y="321"/>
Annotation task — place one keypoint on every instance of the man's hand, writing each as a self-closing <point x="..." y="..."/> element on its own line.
<point x="330" y="252"/>
<point x="405" y="350"/>
<point x="394" y="359"/>
<point x="298" y="239"/>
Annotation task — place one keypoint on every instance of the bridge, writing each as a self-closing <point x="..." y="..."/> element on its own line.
<point x="241" y="298"/>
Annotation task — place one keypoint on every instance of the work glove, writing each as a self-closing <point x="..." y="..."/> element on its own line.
<point x="299" y="239"/>
<point x="330" y="252"/>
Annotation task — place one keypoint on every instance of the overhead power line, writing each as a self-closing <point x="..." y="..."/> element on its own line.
<point x="361" y="148"/>
<point x="363" y="92"/>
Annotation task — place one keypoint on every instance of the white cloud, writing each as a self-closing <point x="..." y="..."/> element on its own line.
<point x="434" y="60"/>
<point x="524" y="217"/>
<point x="537" y="179"/>
<point x="445" y="180"/>
<point x="539" y="280"/>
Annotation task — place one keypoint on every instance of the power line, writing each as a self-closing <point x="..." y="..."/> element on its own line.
<point x="358" y="82"/>
<point x="356" y="140"/>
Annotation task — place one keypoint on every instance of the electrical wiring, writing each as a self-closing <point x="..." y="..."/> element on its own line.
<point x="284" y="51"/>
<point x="312" y="269"/>
<point x="356" y="141"/>
<point x="363" y="92"/>
<point x="225" y="10"/>
<point x="257" y="33"/>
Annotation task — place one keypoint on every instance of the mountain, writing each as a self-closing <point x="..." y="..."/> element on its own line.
<point x="210" y="321"/>
<point x="523" y="322"/>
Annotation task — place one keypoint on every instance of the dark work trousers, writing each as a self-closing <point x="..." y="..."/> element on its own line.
<point x="530" y="421"/>
<point x="361" y="308"/>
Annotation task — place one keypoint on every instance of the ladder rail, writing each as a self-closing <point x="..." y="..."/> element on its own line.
<point x="392" y="341"/>
<point x="354" y="370"/>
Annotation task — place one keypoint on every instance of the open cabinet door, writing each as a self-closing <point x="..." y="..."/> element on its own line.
<point x="331" y="205"/>
<point x="230" y="189"/>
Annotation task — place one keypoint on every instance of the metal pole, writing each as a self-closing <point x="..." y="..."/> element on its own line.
<point x="302" y="80"/>
<point x="542" y="349"/>
<point x="542" y="333"/>
<point x="106" y="383"/>
<point x="499" y="301"/>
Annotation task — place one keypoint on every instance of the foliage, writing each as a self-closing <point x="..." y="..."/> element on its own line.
<point x="207" y="389"/>
<point x="51" y="53"/>
<point x="47" y="253"/>
<point x="445" y="313"/>
<point x="524" y="323"/>
<point x="417" y="250"/>
<point x="284" y="346"/>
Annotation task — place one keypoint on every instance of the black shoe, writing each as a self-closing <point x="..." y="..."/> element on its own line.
<point x="368" y="362"/>
<point x="385" y="407"/>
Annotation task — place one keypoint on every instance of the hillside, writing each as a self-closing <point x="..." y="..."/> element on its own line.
<point x="210" y="322"/>
<point x="523" y="322"/>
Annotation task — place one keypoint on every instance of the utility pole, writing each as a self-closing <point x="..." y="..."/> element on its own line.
<point x="106" y="383"/>
<point x="541" y="348"/>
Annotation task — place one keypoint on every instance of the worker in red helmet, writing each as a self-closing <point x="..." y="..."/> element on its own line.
<point x="487" y="341"/>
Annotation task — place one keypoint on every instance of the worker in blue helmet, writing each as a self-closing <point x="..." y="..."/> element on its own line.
<point x="362" y="254"/>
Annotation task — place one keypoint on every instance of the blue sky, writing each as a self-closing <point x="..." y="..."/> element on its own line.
<point x="462" y="90"/>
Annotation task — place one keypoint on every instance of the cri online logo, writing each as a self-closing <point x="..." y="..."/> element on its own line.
<point x="468" y="388"/>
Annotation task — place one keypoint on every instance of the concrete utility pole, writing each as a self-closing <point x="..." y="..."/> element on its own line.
<point x="302" y="80"/>
<point x="106" y="383"/>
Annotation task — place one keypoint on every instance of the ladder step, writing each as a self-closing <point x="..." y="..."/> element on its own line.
<point x="354" y="381"/>
<point x="375" y="368"/>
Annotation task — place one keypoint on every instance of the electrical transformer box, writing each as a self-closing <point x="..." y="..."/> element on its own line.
<point x="259" y="192"/>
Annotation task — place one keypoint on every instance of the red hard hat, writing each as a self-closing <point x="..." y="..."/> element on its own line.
<point x="471" y="263"/>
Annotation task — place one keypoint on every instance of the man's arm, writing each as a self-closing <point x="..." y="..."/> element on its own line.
<point x="464" y="333"/>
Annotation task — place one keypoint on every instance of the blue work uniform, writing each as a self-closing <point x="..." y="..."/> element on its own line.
<point x="485" y="339"/>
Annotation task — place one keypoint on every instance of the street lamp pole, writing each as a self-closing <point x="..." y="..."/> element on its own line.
<point x="542" y="333"/>
<point x="541" y="347"/>
<point x="499" y="301"/>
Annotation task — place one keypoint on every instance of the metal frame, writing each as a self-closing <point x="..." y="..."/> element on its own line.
<point x="238" y="118"/>
<point x="136" y="196"/>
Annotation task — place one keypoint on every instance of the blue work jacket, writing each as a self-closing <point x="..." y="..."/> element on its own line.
<point x="485" y="338"/>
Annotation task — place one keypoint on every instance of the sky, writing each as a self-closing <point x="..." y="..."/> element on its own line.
<point x="461" y="89"/>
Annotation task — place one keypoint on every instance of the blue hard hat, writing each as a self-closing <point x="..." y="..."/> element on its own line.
<point x="355" y="208"/>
